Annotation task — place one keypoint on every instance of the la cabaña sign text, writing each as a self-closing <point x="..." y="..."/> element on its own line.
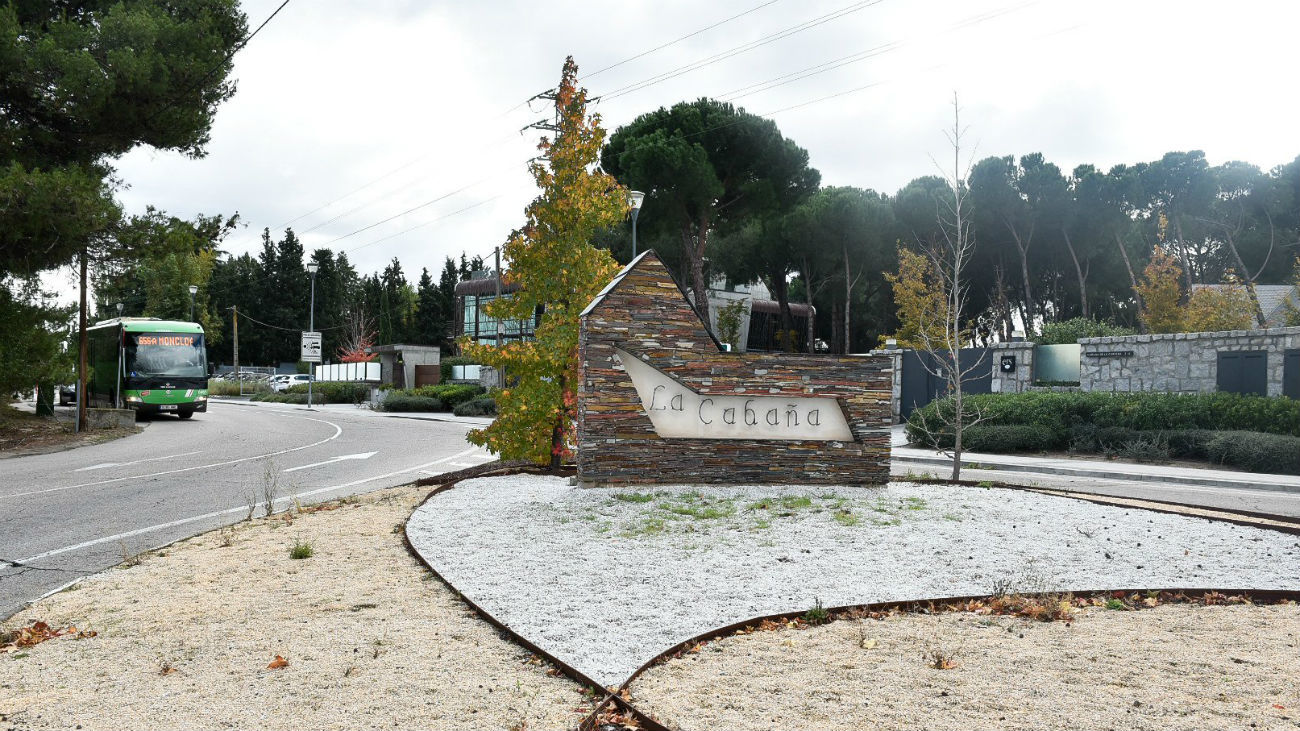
<point x="679" y="412"/>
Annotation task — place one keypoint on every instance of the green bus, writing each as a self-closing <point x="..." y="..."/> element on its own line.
<point x="150" y="365"/>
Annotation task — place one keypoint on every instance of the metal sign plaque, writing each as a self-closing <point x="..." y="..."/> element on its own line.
<point x="310" y="347"/>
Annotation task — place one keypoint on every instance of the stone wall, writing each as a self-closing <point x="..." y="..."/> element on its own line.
<point x="1021" y="376"/>
<point x="644" y="313"/>
<point x="1178" y="362"/>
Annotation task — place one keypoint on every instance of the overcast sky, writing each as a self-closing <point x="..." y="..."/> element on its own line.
<point x="424" y="100"/>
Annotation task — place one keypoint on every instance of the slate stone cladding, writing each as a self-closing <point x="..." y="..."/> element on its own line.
<point x="644" y="312"/>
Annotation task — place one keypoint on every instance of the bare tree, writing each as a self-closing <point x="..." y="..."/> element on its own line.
<point x="949" y="255"/>
<point x="358" y="336"/>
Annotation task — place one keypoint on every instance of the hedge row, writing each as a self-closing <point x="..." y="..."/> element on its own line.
<point x="1056" y="413"/>
<point x="402" y="401"/>
<point x="481" y="406"/>
<point x="333" y="392"/>
<point x="451" y="394"/>
<point x="1227" y="429"/>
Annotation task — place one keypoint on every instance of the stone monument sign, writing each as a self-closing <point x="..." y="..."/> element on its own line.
<point x="659" y="401"/>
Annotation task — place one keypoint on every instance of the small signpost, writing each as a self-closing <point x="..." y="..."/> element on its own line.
<point x="310" y="346"/>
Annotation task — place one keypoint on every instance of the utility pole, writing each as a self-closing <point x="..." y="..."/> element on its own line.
<point x="496" y="253"/>
<point x="82" y="348"/>
<point x="235" y="319"/>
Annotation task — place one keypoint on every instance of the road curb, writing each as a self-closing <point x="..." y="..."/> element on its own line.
<point x="1094" y="473"/>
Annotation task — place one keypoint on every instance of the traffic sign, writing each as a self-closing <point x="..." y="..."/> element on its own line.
<point x="310" y="346"/>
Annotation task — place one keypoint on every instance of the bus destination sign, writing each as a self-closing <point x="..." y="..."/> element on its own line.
<point x="181" y="341"/>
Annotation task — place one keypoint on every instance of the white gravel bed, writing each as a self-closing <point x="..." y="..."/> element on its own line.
<point x="605" y="579"/>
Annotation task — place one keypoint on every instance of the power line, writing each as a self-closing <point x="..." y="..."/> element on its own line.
<point x="677" y="40"/>
<point x="861" y="55"/>
<point x="247" y="316"/>
<point x="426" y="223"/>
<point x="737" y="50"/>
<point x="425" y="204"/>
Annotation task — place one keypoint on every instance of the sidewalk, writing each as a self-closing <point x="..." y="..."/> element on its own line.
<point x="360" y="410"/>
<point x="1093" y="468"/>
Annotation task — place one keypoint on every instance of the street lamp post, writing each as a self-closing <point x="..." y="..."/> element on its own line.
<point x="311" y="325"/>
<point x="193" y="290"/>
<point x="635" y="197"/>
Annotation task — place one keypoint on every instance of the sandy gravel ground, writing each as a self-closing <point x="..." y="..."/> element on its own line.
<point x="1172" y="667"/>
<point x="606" y="579"/>
<point x="372" y="639"/>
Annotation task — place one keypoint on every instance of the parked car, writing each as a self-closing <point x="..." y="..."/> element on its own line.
<point x="67" y="394"/>
<point x="280" y="384"/>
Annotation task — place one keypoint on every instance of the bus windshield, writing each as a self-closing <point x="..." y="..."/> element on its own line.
<point x="178" y="355"/>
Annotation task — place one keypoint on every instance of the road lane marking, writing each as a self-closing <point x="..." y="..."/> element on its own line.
<point x="332" y="460"/>
<point x="337" y="431"/>
<point x="231" y="511"/>
<point x="138" y="461"/>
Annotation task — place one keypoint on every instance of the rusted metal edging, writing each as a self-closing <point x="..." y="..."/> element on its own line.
<point x="449" y="480"/>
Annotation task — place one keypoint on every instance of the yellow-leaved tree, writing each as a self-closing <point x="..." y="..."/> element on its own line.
<point x="1208" y="309"/>
<point x="919" y="301"/>
<point x="559" y="271"/>
<point x="1214" y="309"/>
<point x="1291" y="305"/>
<point x="1161" y="294"/>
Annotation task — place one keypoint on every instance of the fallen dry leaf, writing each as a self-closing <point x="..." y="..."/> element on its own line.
<point x="277" y="663"/>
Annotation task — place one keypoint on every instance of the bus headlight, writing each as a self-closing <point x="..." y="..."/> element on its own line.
<point x="133" y="399"/>
<point x="200" y="398"/>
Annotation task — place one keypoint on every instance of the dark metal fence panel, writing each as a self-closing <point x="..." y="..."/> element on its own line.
<point x="921" y="385"/>
<point x="1243" y="371"/>
<point x="1291" y="374"/>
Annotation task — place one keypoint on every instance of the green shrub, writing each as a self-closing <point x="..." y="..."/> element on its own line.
<point x="1062" y="412"/>
<point x="1070" y="331"/>
<point x="1147" y="447"/>
<point x="444" y="366"/>
<point x="481" y="406"/>
<point x="331" y="392"/>
<point x="231" y="388"/>
<point x="451" y="394"/>
<point x="1188" y="443"/>
<point x="401" y="401"/>
<point x="1000" y="438"/>
<point x="282" y="398"/>
<point x="1256" y="452"/>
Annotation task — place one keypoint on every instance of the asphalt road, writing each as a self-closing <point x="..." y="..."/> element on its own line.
<point x="68" y="514"/>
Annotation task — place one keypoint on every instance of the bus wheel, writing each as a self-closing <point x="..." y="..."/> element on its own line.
<point x="185" y="414"/>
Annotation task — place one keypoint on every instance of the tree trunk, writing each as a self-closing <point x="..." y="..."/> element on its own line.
<point x="781" y="289"/>
<point x="557" y="430"/>
<point x="812" y="318"/>
<point x="1132" y="278"/>
<point x="695" y="256"/>
<point x="1028" y="310"/>
<point x="1078" y="270"/>
<point x="83" y="349"/>
<point x="1245" y="277"/>
<point x="848" y="302"/>
<point x="1182" y="254"/>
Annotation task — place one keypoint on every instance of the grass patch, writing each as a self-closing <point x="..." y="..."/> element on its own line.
<point x="635" y="497"/>
<point x="846" y="517"/>
<point x="301" y="549"/>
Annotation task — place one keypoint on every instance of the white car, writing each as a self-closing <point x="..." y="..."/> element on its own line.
<point x="280" y="384"/>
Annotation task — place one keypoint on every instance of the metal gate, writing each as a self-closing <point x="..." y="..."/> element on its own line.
<point x="921" y="386"/>
<point x="1243" y="371"/>
<point x="1291" y="374"/>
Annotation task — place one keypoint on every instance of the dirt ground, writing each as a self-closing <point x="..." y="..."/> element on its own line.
<point x="371" y="639"/>
<point x="23" y="433"/>
<point x="1176" y="666"/>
